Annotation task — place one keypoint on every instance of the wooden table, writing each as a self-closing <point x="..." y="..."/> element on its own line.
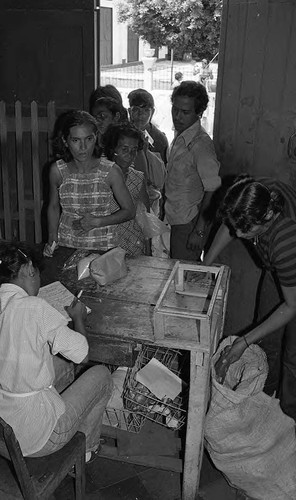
<point x="122" y="317"/>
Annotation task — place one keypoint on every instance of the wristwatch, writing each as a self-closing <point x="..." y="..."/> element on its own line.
<point x="200" y="233"/>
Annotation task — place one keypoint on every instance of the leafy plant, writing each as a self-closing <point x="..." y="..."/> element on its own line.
<point x="185" y="26"/>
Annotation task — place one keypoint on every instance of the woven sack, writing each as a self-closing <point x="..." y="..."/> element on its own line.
<point x="247" y="435"/>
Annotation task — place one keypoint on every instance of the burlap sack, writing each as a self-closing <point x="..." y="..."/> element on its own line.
<point x="247" y="435"/>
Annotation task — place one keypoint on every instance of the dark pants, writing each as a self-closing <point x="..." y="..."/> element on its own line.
<point x="179" y="239"/>
<point x="280" y="348"/>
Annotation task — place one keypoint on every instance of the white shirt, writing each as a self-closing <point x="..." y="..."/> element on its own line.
<point x="193" y="169"/>
<point x="31" y="331"/>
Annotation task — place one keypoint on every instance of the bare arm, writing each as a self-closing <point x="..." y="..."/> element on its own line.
<point x="221" y="240"/>
<point x="121" y="194"/>
<point x="201" y="224"/>
<point x="77" y="312"/>
<point x="279" y="318"/>
<point x="196" y="240"/>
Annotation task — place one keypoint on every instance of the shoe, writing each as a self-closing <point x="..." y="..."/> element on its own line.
<point x="90" y="456"/>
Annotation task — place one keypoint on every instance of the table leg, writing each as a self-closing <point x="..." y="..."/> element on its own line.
<point x="197" y="405"/>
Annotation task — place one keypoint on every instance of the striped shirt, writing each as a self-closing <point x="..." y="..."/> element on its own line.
<point x="277" y="246"/>
<point x="31" y="331"/>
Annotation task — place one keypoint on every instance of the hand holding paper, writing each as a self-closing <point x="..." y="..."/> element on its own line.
<point x="58" y="296"/>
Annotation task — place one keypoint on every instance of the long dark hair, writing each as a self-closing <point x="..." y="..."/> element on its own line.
<point x="248" y="203"/>
<point x="63" y="124"/>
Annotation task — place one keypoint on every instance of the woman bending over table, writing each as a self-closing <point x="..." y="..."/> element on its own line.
<point x="263" y="211"/>
<point x="82" y="186"/>
<point x="121" y="144"/>
<point x="31" y="333"/>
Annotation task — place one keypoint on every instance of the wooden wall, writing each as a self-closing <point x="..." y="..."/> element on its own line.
<point x="47" y="52"/>
<point x="256" y="91"/>
<point x="254" y="118"/>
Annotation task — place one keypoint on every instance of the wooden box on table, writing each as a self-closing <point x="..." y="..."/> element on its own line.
<point x="185" y="309"/>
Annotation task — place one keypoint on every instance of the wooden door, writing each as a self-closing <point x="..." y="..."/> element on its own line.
<point x="256" y="91"/>
<point x="47" y="50"/>
<point x="46" y="54"/>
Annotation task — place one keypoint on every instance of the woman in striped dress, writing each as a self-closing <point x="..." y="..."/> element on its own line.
<point x="82" y="187"/>
<point x="264" y="212"/>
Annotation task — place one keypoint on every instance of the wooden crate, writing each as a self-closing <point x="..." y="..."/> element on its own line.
<point x="186" y="306"/>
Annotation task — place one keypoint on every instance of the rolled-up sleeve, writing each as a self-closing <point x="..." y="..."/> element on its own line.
<point x="71" y="344"/>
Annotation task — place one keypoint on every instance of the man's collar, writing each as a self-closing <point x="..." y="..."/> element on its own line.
<point x="13" y="287"/>
<point x="191" y="132"/>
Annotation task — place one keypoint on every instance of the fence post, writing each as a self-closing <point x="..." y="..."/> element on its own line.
<point x="36" y="171"/>
<point x="148" y="63"/>
<point x="20" y="171"/>
<point x="5" y="176"/>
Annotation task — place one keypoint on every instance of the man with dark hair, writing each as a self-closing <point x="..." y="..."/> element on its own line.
<point x="192" y="173"/>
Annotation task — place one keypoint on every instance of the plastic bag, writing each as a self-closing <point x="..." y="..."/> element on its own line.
<point x="156" y="169"/>
<point x="109" y="267"/>
<point x="149" y="223"/>
<point x="83" y="266"/>
<point x="247" y="435"/>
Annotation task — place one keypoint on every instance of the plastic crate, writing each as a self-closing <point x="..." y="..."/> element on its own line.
<point x="123" y="419"/>
<point x="138" y="399"/>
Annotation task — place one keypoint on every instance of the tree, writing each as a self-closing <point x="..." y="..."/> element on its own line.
<point x="185" y="26"/>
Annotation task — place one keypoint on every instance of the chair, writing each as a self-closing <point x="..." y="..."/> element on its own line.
<point x="39" y="477"/>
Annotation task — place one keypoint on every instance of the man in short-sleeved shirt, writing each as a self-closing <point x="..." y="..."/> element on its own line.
<point x="193" y="173"/>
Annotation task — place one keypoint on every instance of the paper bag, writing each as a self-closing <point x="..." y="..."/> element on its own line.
<point x="109" y="267"/>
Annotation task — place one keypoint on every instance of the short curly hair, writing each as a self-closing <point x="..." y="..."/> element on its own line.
<point x="63" y="124"/>
<point x="110" y="138"/>
<point x="195" y="90"/>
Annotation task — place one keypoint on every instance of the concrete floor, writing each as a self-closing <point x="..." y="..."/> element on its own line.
<point x="113" y="480"/>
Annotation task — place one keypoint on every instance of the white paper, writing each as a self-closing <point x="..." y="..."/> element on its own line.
<point x="58" y="296"/>
<point x="161" y="381"/>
